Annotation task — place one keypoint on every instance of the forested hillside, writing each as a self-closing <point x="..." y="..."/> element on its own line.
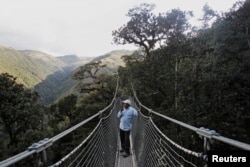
<point x="80" y="94"/>
<point x="200" y="76"/>
<point x="30" y="67"/>
<point x="51" y="76"/>
<point x="39" y="71"/>
<point x="15" y="63"/>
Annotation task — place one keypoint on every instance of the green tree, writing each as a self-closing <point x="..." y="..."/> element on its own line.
<point x="146" y="30"/>
<point x="67" y="106"/>
<point x="207" y="70"/>
<point x="20" y="112"/>
<point x="208" y="15"/>
<point x="94" y="87"/>
<point x="90" y="77"/>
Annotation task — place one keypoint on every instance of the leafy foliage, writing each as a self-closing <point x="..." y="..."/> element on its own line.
<point x="200" y="77"/>
<point x="146" y="29"/>
<point x="21" y="115"/>
<point x="95" y="91"/>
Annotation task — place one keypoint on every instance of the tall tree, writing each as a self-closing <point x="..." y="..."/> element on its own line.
<point x="146" y="30"/>
<point x="20" y="111"/>
<point x="141" y="30"/>
<point x="67" y="106"/>
<point x="90" y="77"/>
<point x="208" y="15"/>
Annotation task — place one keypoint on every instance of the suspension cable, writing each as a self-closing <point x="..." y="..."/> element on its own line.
<point x="41" y="146"/>
<point x="201" y="131"/>
<point x="159" y="150"/>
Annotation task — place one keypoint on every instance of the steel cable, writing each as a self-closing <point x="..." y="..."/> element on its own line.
<point x="158" y="149"/>
<point x="99" y="148"/>
<point x="152" y="147"/>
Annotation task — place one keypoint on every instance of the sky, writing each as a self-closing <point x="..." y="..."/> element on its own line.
<point x="80" y="27"/>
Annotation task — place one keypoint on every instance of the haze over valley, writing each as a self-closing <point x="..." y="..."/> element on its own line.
<point x="51" y="76"/>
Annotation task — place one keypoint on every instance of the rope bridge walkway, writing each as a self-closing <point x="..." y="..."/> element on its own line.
<point x="151" y="147"/>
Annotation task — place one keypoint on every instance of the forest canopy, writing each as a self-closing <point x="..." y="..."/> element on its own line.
<point x="198" y="75"/>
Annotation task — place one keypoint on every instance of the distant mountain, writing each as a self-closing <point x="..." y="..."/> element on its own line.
<point x="73" y="59"/>
<point x="113" y="59"/>
<point x="29" y="69"/>
<point x="51" y="76"/>
<point x="36" y="70"/>
<point x="69" y="59"/>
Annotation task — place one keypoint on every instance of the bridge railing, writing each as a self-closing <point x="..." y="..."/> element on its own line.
<point x="38" y="151"/>
<point x="154" y="148"/>
<point x="99" y="147"/>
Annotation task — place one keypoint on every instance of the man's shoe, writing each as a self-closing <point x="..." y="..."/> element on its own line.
<point x="126" y="155"/>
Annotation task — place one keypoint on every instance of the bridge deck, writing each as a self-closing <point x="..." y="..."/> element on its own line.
<point x="125" y="162"/>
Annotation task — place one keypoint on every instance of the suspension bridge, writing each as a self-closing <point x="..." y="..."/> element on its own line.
<point x="150" y="146"/>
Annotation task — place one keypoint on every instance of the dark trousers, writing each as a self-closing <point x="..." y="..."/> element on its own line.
<point x="125" y="142"/>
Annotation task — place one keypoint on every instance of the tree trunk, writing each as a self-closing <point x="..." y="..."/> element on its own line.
<point x="176" y="83"/>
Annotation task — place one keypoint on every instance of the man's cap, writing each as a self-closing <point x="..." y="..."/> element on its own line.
<point x="127" y="102"/>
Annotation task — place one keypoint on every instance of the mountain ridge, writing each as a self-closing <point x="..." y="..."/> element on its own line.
<point x="48" y="75"/>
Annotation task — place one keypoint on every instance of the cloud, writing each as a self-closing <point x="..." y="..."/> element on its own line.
<point x="81" y="27"/>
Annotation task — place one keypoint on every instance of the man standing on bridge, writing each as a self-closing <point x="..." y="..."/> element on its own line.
<point x="126" y="115"/>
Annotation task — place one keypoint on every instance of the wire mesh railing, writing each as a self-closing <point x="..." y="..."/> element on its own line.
<point x="99" y="148"/>
<point x="97" y="142"/>
<point x="153" y="148"/>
